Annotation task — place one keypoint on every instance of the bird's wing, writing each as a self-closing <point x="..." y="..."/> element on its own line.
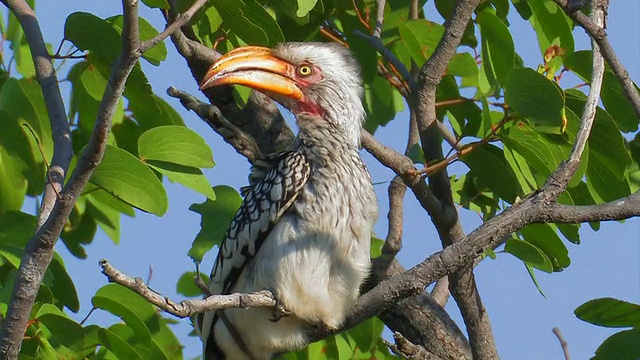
<point x="275" y="184"/>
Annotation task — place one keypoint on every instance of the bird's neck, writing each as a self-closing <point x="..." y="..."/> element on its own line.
<point x="319" y="138"/>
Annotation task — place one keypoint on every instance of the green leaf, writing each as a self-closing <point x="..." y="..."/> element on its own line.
<point x="12" y="181"/>
<point x="498" y="50"/>
<point x="89" y="32"/>
<point x="544" y="237"/>
<point x="175" y="144"/>
<point x="536" y="98"/>
<point x="136" y="312"/>
<point x="521" y="170"/>
<point x="552" y="25"/>
<point x="24" y="60"/>
<point x="305" y="6"/>
<point x="603" y="182"/>
<point x="62" y="286"/>
<point x="106" y="217"/>
<point x="421" y="38"/>
<point x="191" y="177"/>
<point x="23" y="99"/>
<point x="463" y="65"/>
<point x="162" y="4"/>
<point x="580" y="63"/>
<point x="609" y="312"/>
<point x="186" y="285"/>
<point x="381" y="102"/>
<point x="63" y="330"/>
<point x="532" y="275"/>
<point x="216" y="216"/>
<point x="367" y="333"/>
<point x="250" y="21"/>
<point x="488" y="164"/>
<point x="118" y="346"/>
<point x="156" y="54"/>
<point x="529" y="254"/>
<point x="570" y="232"/>
<point x="624" y="345"/>
<point x="127" y="178"/>
<point x="543" y="153"/>
<point x="617" y="104"/>
<point x="93" y="82"/>
<point x="16" y="228"/>
<point x="149" y="110"/>
<point x="416" y="154"/>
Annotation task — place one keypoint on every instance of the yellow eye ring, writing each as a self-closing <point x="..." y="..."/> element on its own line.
<point x="304" y="70"/>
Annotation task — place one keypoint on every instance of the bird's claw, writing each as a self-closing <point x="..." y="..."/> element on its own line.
<point x="279" y="311"/>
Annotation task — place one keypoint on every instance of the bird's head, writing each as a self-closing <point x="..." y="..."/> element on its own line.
<point x="320" y="79"/>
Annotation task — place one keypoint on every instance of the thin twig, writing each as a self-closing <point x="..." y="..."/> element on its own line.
<point x="558" y="181"/>
<point x="187" y="308"/>
<point x="180" y="21"/>
<point x="598" y="34"/>
<point x="380" y="4"/>
<point x="563" y="343"/>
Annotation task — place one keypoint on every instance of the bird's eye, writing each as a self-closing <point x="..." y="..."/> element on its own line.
<point x="304" y="70"/>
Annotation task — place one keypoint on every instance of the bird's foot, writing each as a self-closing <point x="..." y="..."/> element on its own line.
<point x="279" y="311"/>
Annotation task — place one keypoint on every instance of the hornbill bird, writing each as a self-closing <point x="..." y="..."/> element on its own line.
<point x="303" y="230"/>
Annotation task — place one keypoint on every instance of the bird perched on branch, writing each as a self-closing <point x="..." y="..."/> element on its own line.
<point x="303" y="230"/>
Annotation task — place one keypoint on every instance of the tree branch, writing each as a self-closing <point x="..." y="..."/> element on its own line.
<point x="557" y="182"/>
<point x="407" y="350"/>
<point x="242" y="142"/>
<point x="563" y="343"/>
<point x="598" y="34"/>
<point x="39" y="250"/>
<point x="187" y="308"/>
<point x="46" y="76"/>
<point x="179" y="22"/>
<point x="461" y="282"/>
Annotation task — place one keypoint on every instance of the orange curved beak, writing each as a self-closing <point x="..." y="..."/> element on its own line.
<point x="255" y="67"/>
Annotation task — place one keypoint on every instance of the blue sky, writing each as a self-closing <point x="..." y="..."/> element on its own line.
<point x="606" y="264"/>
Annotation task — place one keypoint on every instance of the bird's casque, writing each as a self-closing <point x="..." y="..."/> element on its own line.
<point x="303" y="230"/>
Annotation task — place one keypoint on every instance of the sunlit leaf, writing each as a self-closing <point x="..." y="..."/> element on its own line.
<point x="498" y="50"/>
<point x="536" y="98"/>
<point x="127" y="178"/>
<point x="175" y="144"/>
<point x="216" y="217"/>
<point x="609" y="312"/>
<point x="529" y="253"/>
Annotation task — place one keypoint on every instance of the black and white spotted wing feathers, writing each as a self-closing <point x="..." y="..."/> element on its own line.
<point x="275" y="184"/>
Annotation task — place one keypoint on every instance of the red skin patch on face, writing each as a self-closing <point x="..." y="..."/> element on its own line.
<point x="308" y="107"/>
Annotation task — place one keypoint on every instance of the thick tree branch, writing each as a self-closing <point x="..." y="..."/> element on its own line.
<point x="597" y="32"/>
<point x="440" y="292"/>
<point x="461" y="282"/>
<point x="187" y="308"/>
<point x="238" y="139"/>
<point x="46" y="76"/>
<point x="39" y="250"/>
